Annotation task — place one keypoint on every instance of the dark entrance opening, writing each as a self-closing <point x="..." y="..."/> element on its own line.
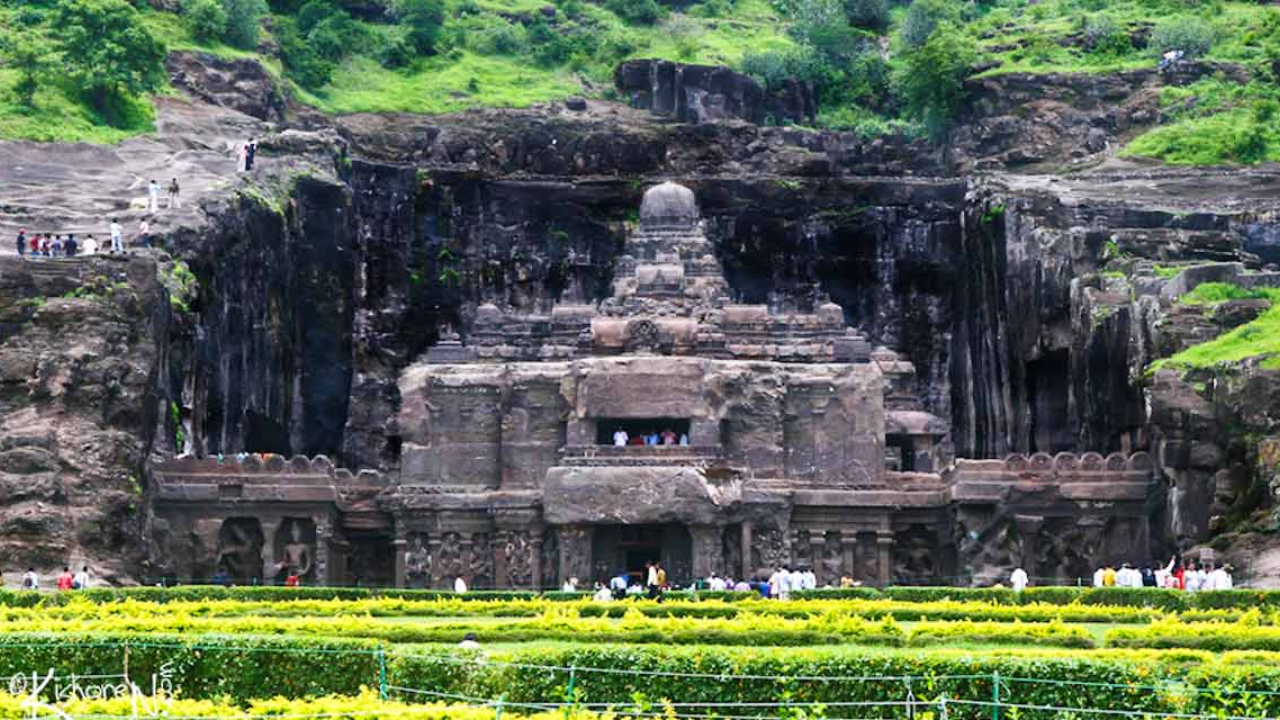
<point x="628" y="548"/>
<point x="639" y="428"/>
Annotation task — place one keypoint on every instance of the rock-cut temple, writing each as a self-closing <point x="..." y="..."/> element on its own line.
<point x="783" y="438"/>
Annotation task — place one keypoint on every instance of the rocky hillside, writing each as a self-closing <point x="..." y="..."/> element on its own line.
<point x="1052" y="293"/>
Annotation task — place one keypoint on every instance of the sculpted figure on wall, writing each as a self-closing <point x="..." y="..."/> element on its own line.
<point x="417" y="563"/>
<point x="518" y="556"/>
<point x="480" y="561"/>
<point x="768" y="549"/>
<point x="297" y="557"/>
<point x="239" y="548"/>
<point x="830" y="567"/>
<point x="449" y="563"/>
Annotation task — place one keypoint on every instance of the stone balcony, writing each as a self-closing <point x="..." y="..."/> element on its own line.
<point x="693" y="456"/>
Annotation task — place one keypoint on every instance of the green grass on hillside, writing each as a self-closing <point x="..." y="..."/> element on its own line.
<point x="59" y="117"/>
<point x="1257" y="339"/>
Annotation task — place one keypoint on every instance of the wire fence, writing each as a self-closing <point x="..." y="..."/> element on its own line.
<point x="962" y="696"/>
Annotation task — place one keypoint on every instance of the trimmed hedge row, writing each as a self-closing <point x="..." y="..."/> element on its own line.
<point x="242" y="667"/>
<point x="1172" y="600"/>
<point x="1214" y="636"/>
<point x="747" y="630"/>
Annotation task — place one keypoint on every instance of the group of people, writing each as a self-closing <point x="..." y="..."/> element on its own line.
<point x="66" y="580"/>
<point x="1176" y="575"/>
<point x="52" y="245"/>
<point x="622" y="438"/>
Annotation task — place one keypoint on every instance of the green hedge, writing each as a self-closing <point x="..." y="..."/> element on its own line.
<point x="1174" y="600"/>
<point x="243" y="667"/>
<point x="1120" y="680"/>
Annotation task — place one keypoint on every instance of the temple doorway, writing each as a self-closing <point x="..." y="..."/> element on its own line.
<point x="370" y="560"/>
<point x="627" y="548"/>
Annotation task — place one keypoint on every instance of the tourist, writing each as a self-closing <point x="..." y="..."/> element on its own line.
<point x="117" y="237"/>
<point x="618" y="584"/>
<point x="64" y="580"/>
<point x="57" y="246"/>
<point x="1220" y="579"/>
<point x="1108" y="576"/>
<point x="71" y="246"/>
<point x="250" y="153"/>
<point x="459" y="585"/>
<point x="153" y="196"/>
<point x="1128" y="577"/>
<point x="1148" y="576"/>
<point x="620" y="438"/>
<point x="684" y="440"/>
<point x="469" y="642"/>
<point x="1195" y="578"/>
<point x="35" y="245"/>
<point x="46" y="246"/>
<point x="668" y="437"/>
<point x="603" y="593"/>
<point x="31" y="581"/>
<point x="90" y="246"/>
<point x="637" y="440"/>
<point x="220" y="577"/>
<point x="1018" y="580"/>
<point x="22" y="243"/>
<point x="634" y="590"/>
<point x="173" y="194"/>
<point x="651" y="583"/>
<point x="846" y="581"/>
<point x="742" y="586"/>
<point x="144" y="233"/>
<point x="780" y="583"/>
<point x="292" y="580"/>
<point x="716" y="583"/>
<point x="81" y="579"/>
<point x="810" y="579"/>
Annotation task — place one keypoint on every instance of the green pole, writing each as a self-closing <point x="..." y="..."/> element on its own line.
<point x="995" y="695"/>
<point x="568" y="692"/>
<point x="497" y="715"/>
<point x="382" y="674"/>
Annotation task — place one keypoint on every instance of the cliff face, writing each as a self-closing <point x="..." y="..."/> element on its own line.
<point x="81" y="394"/>
<point x="317" y="283"/>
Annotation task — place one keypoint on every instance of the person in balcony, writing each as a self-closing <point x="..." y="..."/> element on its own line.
<point x="668" y="437"/>
<point x="620" y="437"/>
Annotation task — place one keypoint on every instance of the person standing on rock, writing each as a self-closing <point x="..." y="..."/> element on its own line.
<point x="250" y="152"/>
<point x="153" y="196"/>
<point x="81" y="580"/>
<point x="22" y="243"/>
<point x="31" y="581"/>
<point x="144" y="233"/>
<point x="70" y="246"/>
<point x="173" y="194"/>
<point x="90" y="245"/>
<point x="117" y="237"/>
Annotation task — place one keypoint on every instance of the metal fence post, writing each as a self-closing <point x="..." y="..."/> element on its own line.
<point x="382" y="674"/>
<point x="995" y="695"/>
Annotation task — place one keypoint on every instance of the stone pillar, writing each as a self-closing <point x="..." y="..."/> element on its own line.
<point x="466" y="550"/>
<point x="535" y="537"/>
<point x="324" y="535"/>
<point x="270" y="528"/>
<point x="848" y="552"/>
<point x="1029" y="530"/>
<point x="500" y="540"/>
<point x="817" y="554"/>
<point x="575" y="552"/>
<point x="399" y="546"/>
<point x="434" y="580"/>
<point x="747" y="569"/>
<point x="884" y="556"/>
<point x="708" y="550"/>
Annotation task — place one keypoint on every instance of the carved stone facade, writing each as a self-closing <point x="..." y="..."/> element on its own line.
<point x="782" y="438"/>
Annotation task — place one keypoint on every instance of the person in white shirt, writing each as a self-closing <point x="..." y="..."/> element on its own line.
<point x="603" y="594"/>
<point x="1128" y="577"/>
<point x="1097" y="577"/>
<point x="716" y="583"/>
<point x="1193" y="578"/>
<point x="620" y="438"/>
<point x="153" y="195"/>
<point x="81" y="579"/>
<point x="1162" y="574"/>
<point x="89" y="246"/>
<point x="780" y="583"/>
<point x="31" y="581"/>
<point x="810" y="579"/>
<point x="1220" y="579"/>
<point x="117" y="237"/>
<point x="570" y="585"/>
<point x="469" y="642"/>
<point x="1018" y="580"/>
<point x="459" y="585"/>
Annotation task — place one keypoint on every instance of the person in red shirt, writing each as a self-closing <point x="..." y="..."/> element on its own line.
<point x="291" y="581"/>
<point x="64" y="580"/>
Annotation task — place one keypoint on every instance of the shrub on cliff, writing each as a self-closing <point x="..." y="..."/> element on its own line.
<point x="108" y="54"/>
<point x="1104" y="36"/>
<point x="868" y="14"/>
<point x="1192" y="35"/>
<point x="930" y="82"/>
<point x="207" y="17"/>
<point x="302" y="63"/>
<point x="423" y="18"/>
<point x="922" y="18"/>
<point x="243" y="20"/>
